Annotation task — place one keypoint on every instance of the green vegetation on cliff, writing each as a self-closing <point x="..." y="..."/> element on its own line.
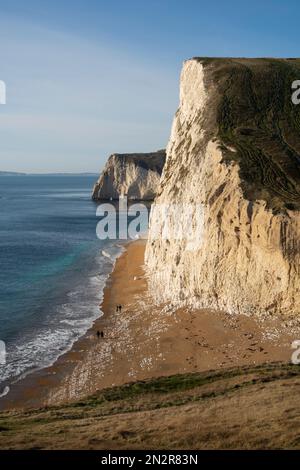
<point x="259" y="126"/>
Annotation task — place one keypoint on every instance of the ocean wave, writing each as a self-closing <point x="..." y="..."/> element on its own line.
<point x="5" y="391"/>
<point x="38" y="349"/>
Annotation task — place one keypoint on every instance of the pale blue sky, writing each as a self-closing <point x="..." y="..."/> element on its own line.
<point x="89" y="78"/>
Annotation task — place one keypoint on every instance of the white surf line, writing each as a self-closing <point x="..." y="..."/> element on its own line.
<point x="108" y="256"/>
<point x="5" y="392"/>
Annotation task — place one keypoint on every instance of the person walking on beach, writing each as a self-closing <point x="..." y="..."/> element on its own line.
<point x="100" y="334"/>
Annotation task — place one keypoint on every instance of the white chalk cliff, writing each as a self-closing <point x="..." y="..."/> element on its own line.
<point x="134" y="175"/>
<point x="238" y="248"/>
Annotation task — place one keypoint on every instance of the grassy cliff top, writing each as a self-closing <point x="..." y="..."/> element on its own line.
<point x="255" y="115"/>
<point x="150" y="161"/>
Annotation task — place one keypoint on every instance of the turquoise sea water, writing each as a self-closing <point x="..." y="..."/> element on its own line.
<point x="52" y="272"/>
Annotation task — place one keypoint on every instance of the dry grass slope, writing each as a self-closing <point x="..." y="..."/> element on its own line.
<point x="249" y="408"/>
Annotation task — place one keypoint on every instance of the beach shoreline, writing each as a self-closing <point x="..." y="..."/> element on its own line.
<point x="31" y="388"/>
<point x="145" y="340"/>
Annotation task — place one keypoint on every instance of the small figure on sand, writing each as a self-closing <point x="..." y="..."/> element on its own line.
<point x="100" y="334"/>
<point x="119" y="308"/>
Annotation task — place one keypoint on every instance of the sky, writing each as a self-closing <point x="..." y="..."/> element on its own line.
<point x="89" y="78"/>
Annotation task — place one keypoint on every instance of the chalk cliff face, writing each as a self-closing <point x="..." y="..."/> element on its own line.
<point x="135" y="175"/>
<point x="233" y="157"/>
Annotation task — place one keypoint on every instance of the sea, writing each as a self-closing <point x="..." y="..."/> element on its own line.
<point x="53" y="269"/>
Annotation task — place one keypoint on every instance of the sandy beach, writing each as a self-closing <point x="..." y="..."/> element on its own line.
<point x="146" y="340"/>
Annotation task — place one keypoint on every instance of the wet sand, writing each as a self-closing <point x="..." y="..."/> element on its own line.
<point x="146" y="340"/>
